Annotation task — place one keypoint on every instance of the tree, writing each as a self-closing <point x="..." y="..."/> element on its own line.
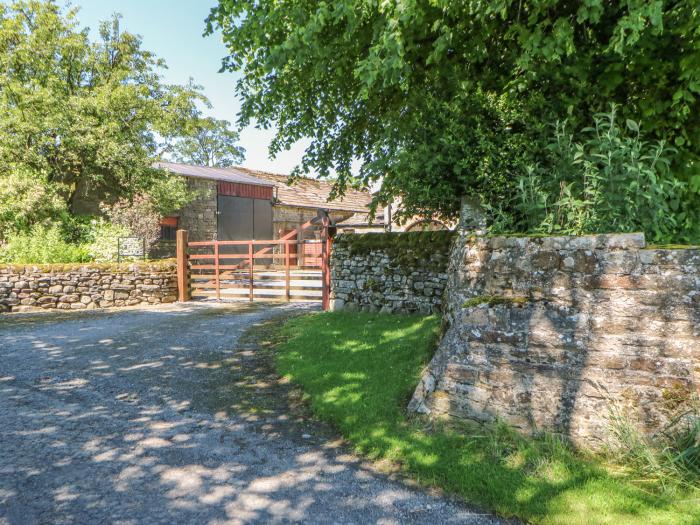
<point x="81" y="121"/>
<point x="212" y="144"/>
<point x="139" y="216"/>
<point x="367" y="80"/>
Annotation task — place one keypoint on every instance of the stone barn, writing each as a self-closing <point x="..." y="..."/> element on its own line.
<point x="241" y="204"/>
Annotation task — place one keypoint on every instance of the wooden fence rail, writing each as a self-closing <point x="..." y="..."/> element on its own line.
<point x="261" y="269"/>
<point x="225" y="268"/>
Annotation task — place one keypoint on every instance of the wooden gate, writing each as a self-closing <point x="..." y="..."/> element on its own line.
<point x="288" y="268"/>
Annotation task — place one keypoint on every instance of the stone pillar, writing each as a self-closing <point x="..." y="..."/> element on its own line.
<point x="472" y="216"/>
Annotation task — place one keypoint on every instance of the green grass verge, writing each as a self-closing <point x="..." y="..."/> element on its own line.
<point x="359" y="370"/>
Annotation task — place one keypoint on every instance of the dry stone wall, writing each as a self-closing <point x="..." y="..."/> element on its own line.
<point x="390" y="272"/>
<point x="80" y="287"/>
<point x="561" y="333"/>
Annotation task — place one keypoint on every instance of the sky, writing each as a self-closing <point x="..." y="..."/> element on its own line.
<point x="172" y="29"/>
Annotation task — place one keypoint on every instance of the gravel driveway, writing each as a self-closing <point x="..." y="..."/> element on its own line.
<point x="143" y="416"/>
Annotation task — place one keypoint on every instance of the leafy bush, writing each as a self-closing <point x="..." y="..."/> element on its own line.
<point x="25" y="199"/>
<point x="139" y="216"/>
<point x="78" y="229"/>
<point x="608" y="180"/>
<point x="169" y="193"/>
<point x="104" y="240"/>
<point x="42" y="244"/>
<point x="486" y="141"/>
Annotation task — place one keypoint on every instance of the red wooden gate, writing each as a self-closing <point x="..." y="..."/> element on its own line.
<point x="260" y="269"/>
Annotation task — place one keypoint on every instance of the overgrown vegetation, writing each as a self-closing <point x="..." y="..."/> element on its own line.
<point x="358" y="372"/>
<point x="606" y="178"/>
<point x="83" y="120"/>
<point x="138" y="216"/>
<point x="671" y="458"/>
<point x="96" y="241"/>
<point x="42" y="245"/>
<point x="448" y="98"/>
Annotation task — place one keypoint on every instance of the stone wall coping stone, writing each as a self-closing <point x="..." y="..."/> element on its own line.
<point x="130" y="266"/>
<point x="609" y="241"/>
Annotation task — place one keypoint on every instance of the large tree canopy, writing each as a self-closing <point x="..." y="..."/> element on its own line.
<point x="449" y="97"/>
<point x="81" y="120"/>
<point x="212" y="143"/>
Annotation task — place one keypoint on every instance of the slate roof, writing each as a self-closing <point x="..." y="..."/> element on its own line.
<point x="304" y="193"/>
<point x="311" y="193"/>
<point x="204" y="172"/>
<point x="362" y="220"/>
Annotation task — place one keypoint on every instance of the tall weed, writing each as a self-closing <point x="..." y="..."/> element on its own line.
<point x="607" y="179"/>
<point x="671" y="457"/>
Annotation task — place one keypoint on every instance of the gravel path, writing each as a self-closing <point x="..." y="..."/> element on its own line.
<point x="166" y="415"/>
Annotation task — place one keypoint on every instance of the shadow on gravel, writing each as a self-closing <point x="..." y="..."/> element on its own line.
<point x="171" y="415"/>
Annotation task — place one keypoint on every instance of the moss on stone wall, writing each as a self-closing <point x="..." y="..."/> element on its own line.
<point x="494" y="300"/>
<point x="407" y="250"/>
<point x="67" y="267"/>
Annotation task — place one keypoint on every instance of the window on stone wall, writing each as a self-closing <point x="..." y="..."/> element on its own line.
<point x="168" y="228"/>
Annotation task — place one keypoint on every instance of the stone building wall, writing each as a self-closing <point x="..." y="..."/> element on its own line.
<point x="86" y="286"/>
<point x="390" y="272"/>
<point x="558" y="333"/>
<point x="199" y="217"/>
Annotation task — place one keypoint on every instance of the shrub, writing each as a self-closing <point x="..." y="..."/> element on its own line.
<point x="25" y="199"/>
<point x="606" y="179"/>
<point x="42" y="244"/>
<point x="104" y="240"/>
<point x="139" y="216"/>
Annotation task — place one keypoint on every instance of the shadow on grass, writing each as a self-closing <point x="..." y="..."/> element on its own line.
<point x="359" y="371"/>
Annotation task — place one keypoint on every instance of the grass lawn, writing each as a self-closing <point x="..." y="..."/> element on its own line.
<point x="359" y="370"/>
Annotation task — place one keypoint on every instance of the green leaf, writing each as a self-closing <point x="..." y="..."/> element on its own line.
<point x="440" y="99"/>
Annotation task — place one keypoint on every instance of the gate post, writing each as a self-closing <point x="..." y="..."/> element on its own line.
<point x="251" y="261"/>
<point x="300" y="246"/>
<point x="325" y="265"/>
<point x="183" y="285"/>
<point x="287" y="264"/>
